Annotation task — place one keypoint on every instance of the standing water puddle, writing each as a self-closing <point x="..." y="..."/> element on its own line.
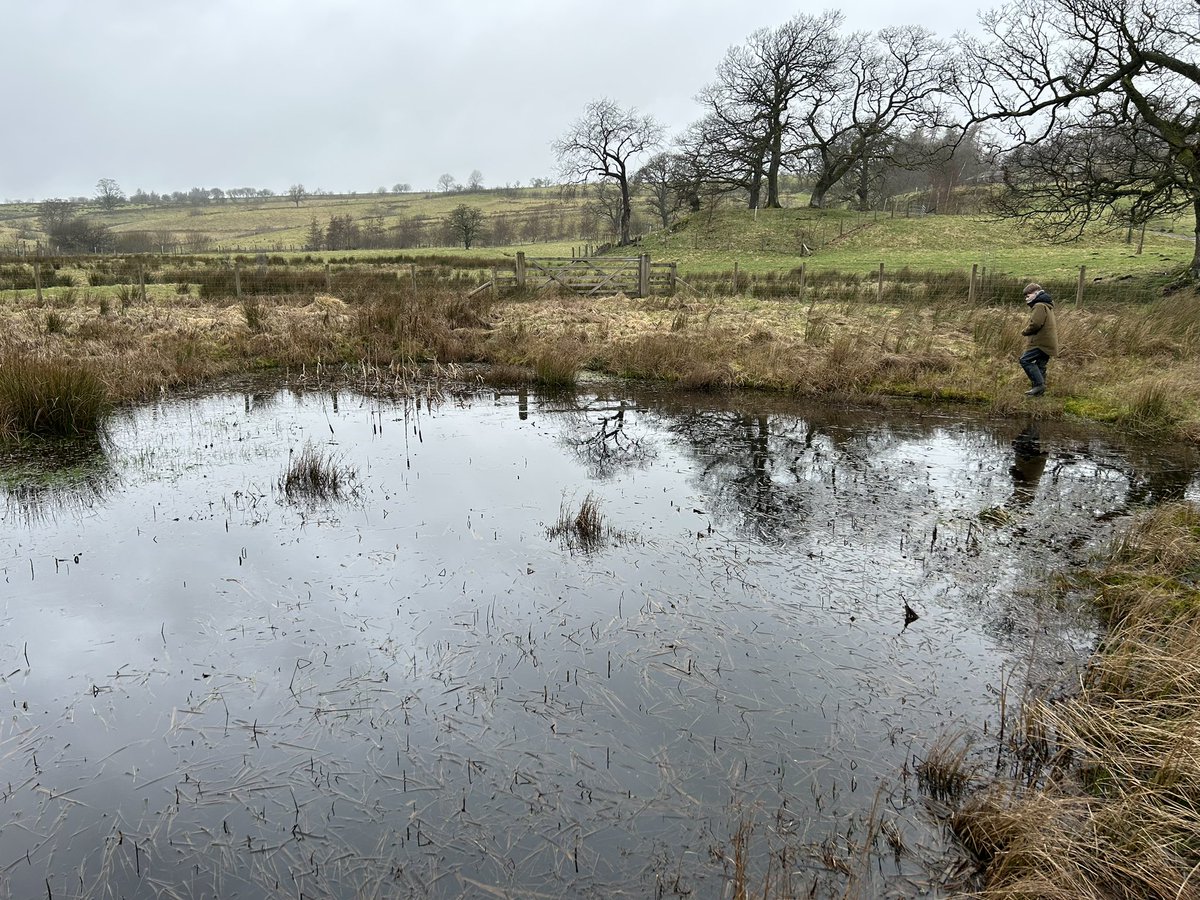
<point x="418" y="691"/>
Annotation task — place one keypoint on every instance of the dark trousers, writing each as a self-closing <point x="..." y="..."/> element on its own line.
<point x="1033" y="361"/>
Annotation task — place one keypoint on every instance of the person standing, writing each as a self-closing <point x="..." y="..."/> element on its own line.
<point x="1042" y="335"/>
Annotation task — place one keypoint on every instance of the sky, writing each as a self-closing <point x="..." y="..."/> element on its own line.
<point x="353" y="95"/>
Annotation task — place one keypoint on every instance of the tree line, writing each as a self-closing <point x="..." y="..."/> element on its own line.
<point x="1080" y="111"/>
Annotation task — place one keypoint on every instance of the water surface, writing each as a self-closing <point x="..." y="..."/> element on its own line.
<point x="216" y="691"/>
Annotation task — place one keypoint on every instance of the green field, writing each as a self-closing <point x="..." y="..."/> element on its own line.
<point x="705" y="243"/>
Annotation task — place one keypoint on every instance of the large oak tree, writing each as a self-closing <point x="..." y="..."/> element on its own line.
<point x="605" y="142"/>
<point x="1098" y="104"/>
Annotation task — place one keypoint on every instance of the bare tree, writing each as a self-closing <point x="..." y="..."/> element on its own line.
<point x="603" y="209"/>
<point x="603" y="143"/>
<point x="296" y="193"/>
<point x="401" y="187"/>
<point x="53" y="213"/>
<point x="881" y="88"/>
<point x="475" y="180"/>
<point x="465" y="223"/>
<point x="109" y="194"/>
<point x="751" y="103"/>
<point x="662" y="177"/>
<point x="445" y="182"/>
<point x="1098" y="102"/>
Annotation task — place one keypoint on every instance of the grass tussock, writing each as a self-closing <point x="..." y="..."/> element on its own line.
<point x="583" y="528"/>
<point x="1150" y="409"/>
<point x="1111" y="805"/>
<point x="314" y="475"/>
<point x="946" y="771"/>
<point x="557" y="365"/>
<point x="255" y="313"/>
<point x="50" y="398"/>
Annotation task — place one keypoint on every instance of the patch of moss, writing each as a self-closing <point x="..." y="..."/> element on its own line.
<point x="1092" y="408"/>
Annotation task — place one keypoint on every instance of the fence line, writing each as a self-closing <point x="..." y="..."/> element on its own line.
<point x="53" y="278"/>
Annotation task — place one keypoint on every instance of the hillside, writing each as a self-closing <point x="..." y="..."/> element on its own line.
<point x="542" y="221"/>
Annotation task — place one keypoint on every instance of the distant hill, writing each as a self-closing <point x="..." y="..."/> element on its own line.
<point x="559" y="221"/>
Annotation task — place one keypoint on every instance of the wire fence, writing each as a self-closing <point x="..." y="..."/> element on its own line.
<point x="52" y="280"/>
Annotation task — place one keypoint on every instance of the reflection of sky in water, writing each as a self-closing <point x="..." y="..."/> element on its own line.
<point x="419" y="692"/>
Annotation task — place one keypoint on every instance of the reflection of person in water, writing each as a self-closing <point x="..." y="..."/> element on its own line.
<point x="1028" y="465"/>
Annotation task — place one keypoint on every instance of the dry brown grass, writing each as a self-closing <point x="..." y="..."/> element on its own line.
<point x="1115" y="810"/>
<point x="1135" y="365"/>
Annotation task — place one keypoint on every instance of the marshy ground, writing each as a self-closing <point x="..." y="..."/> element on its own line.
<point x="1124" y="362"/>
<point x="591" y="609"/>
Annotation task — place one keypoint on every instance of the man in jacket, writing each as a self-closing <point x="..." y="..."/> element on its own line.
<point x="1042" y="335"/>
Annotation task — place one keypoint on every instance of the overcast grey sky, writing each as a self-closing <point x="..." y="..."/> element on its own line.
<point x="346" y="95"/>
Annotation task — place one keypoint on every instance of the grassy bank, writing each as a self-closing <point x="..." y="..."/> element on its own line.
<point x="1104" y="795"/>
<point x="1134" y="364"/>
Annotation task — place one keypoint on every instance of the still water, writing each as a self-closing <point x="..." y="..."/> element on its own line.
<point x="212" y="690"/>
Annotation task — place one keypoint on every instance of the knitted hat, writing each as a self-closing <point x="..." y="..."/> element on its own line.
<point x="1032" y="289"/>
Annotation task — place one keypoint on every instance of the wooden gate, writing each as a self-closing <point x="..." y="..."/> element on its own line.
<point x="635" y="276"/>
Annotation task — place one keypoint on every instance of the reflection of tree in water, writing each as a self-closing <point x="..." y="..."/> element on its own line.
<point x="603" y="435"/>
<point x="41" y="482"/>
<point x="764" y="470"/>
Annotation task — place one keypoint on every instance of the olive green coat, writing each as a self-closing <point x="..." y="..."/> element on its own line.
<point x="1042" y="331"/>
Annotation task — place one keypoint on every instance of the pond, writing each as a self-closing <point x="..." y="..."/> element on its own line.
<point x="431" y="687"/>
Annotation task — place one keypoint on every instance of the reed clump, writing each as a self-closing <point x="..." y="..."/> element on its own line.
<point x="581" y="529"/>
<point x="50" y="398"/>
<point x="947" y="770"/>
<point x="314" y="475"/>
<point x="1107" y="801"/>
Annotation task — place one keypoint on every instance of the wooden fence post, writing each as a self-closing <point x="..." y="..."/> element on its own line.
<point x="1079" y="287"/>
<point x="328" y="280"/>
<point x="237" y="279"/>
<point x="37" y="279"/>
<point x="495" y="286"/>
<point x="142" y="280"/>
<point x="971" y="289"/>
<point x="673" y="276"/>
<point x="520" y="270"/>
<point x="644" y="275"/>
<point x="412" y="271"/>
<point x="879" y="290"/>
